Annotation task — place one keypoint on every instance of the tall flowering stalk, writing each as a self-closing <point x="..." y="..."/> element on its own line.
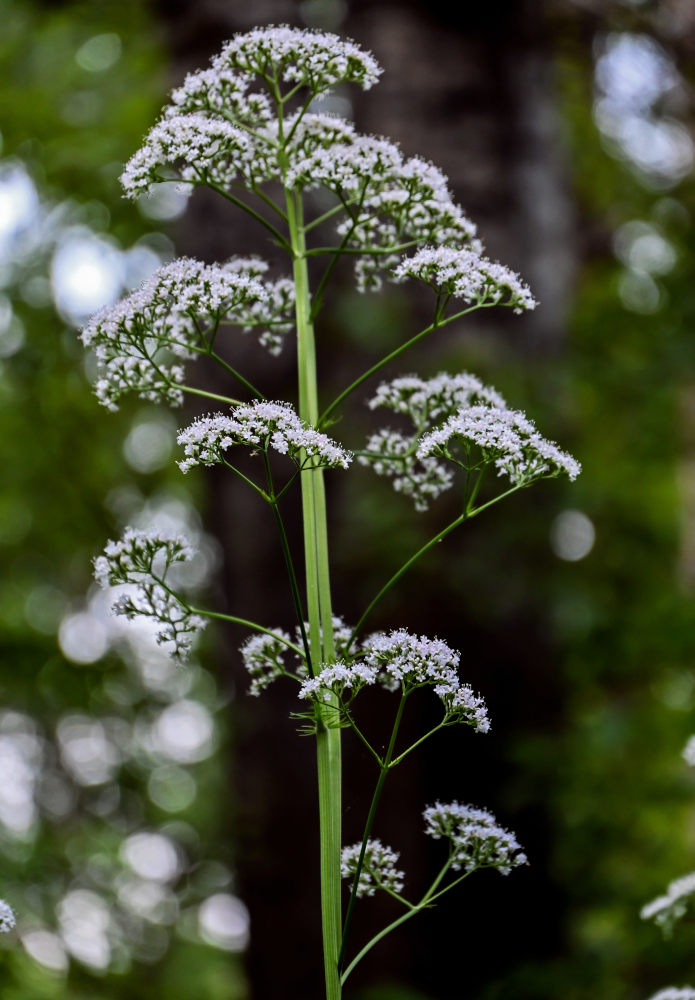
<point x="250" y="128"/>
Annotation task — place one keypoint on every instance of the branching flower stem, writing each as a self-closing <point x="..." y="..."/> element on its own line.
<point x="220" y="616"/>
<point x="467" y="514"/>
<point x="438" y="322"/>
<point x="414" y="908"/>
<point x="385" y="768"/>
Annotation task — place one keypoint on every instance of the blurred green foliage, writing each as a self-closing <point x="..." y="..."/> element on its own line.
<point x="81" y="84"/>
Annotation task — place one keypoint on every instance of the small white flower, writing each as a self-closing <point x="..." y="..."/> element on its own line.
<point x="378" y="867"/>
<point x="336" y="678"/>
<point x="477" y="840"/>
<point x="261" y="425"/>
<point x="201" y="148"/>
<point x="666" y="910"/>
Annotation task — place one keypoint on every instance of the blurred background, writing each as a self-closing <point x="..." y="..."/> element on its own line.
<point x="157" y="827"/>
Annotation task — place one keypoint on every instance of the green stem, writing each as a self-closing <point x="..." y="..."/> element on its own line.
<point x="385" y="767"/>
<point x="206" y="395"/>
<point x="244" y="621"/>
<point x="438" y="322"/>
<point x="466" y="516"/>
<point x="415" y="908"/>
<point x="399" y="573"/>
<point x="252" y="212"/>
<point x="235" y="374"/>
<point x="328" y="740"/>
<point x="284" y="543"/>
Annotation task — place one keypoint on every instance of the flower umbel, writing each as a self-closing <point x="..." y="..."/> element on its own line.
<point x="145" y="563"/>
<point x="476" y="839"/>
<point x="426" y="402"/>
<point x="463" y="273"/>
<point x="261" y="425"/>
<point x="378" y="867"/>
<point x="174" y="316"/>
<point x="506" y="438"/>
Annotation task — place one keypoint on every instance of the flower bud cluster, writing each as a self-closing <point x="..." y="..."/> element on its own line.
<point x="264" y="655"/>
<point x="476" y="839"/>
<point x="401" y="661"/>
<point x="425" y="401"/>
<point x="204" y="149"/>
<point x="378" y="867"/>
<point x="139" y="340"/>
<point x="506" y="438"/>
<point x="263" y="658"/>
<point x="261" y="425"/>
<point x="464" y="274"/>
<point x="144" y="562"/>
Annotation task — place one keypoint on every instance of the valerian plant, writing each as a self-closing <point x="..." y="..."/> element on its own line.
<point x="250" y="128"/>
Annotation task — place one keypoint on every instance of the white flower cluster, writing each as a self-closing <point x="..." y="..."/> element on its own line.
<point x="219" y="128"/>
<point x="203" y="149"/>
<point x="263" y="658"/>
<point x="143" y="561"/>
<point x="667" y="909"/>
<point x="314" y="59"/>
<point x="139" y="340"/>
<point x="507" y="438"/>
<point x="477" y="841"/>
<point x="675" y="993"/>
<point x="378" y="867"/>
<point x="464" y="274"/>
<point x="425" y="401"/>
<point x="402" y="661"/>
<point x="220" y="91"/>
<point x="390" y="200"/>
<point x="392" y="454"/>
<point x="264" y="655"/>
<point x="7" y="917"/>
<point x="337" y="678"/>
<point x="262" y="425"/>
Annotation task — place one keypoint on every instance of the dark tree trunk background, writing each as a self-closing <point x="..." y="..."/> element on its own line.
<point x="469" y="86"/>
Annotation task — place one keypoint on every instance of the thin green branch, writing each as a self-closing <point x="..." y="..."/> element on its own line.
<point x="287" y="555"/>
<point x="248" y="624"/>
<point x="282" y="241"/>
<point x="435" y="325"/>
<point x="368" y="826"/>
